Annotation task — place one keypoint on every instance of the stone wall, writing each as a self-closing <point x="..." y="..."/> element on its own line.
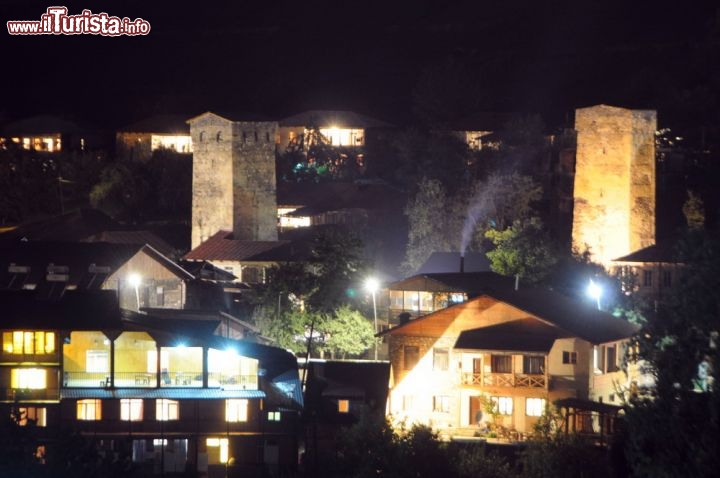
<point x="614" y="189"/>
<point x="233" y="178"/>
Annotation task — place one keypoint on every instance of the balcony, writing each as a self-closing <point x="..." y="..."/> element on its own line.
<point x="136" y="379"/>
<point x="29" y="395"/>
<point x="514" y="380"/>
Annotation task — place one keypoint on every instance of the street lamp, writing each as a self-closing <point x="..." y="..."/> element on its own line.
<point x="595" y="291"/>
<point x="372" y="285"/>
<point x="135" y="280"/>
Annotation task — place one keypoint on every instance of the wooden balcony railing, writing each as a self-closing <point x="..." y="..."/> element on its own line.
<point x="505" y="380"/>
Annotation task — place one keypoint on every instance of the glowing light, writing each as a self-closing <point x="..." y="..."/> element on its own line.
<point x="595" y="292"/>
<point x="134" y="280"/>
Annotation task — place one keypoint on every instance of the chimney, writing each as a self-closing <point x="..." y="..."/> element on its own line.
<point x="517" y="281"/>
<point x="462" y="263"/>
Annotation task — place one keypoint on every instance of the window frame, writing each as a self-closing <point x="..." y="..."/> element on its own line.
<point x="85" y="406"/>
<point x="441" y="359"/>
<point x="503" y="405"/>
<point x="535" y="406"/>
<point x="411" y="356"/>
<point x="131" y="409"/>
<point x="237" y="410"/>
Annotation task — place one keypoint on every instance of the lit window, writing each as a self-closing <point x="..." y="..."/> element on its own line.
<point x="31" y="414"/>
<point x="30" y="378"/>
<point x="611" y="357"/>
<point x="412" y="354"/>
<point x="343" y="406"/>
<point x="219" y="456"/>
<point x="569" y="357"/>
<point x="89" y="409"/>
<point x="408" y="402"/>
<point x="274" y="416"/>
<point x="28" y="343"/>
<point x="236" y="410"/>
<point x="167" y="410"/>
<point x="534" y="407"/>
<point x="502" y="405"/>
<point x="441" y="403"/>
<point x="131" y="409"/>
<point x="159" y="442"/>
<point x="441" y="359"/>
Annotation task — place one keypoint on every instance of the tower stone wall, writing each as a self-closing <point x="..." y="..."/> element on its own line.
<point x="614" y="188"/>
<point x="233" y="178"/>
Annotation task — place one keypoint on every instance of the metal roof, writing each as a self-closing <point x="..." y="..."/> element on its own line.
<point x="152" y="393"/>
<point x="222" y="247"/>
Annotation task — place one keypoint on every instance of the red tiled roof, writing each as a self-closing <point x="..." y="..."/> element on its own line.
<point x="222" y="247"/>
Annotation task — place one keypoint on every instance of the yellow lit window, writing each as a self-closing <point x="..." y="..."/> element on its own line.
<point x="534" y="407"/>
<point x="274" y="416"/>
<point x="31" y="414"/>
<point x="167" y="410"/>
<point x="30" y="378"/>
<point x="222" y="445"/>
<point x="28" y="343"/>
<point x="343" y="406"/>
<point x="236" y="410"/>
<point x="89" y="409"/>
<point x="131" y="409"/>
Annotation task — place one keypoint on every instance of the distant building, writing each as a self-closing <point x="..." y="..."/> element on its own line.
<point x="47" y="134"/>
<point x="339" y="128"/>
<point x="138" y="141"/>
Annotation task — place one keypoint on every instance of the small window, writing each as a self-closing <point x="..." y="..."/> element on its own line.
<point x="131" y="409"/>
<point x="441" y="403"/>
<point x="569" y="357"/>
<point x="273" y="416"/>
<point x="29" y="378"/>
<point x="533" y="364"/>
<point x="218" y="137"/>
<point x="217" y="450"/>
<point x="343" y="406"/>
<point x="667" y="278"/>
<point x="611" y="359"/>
<point x="441" y="359"/>
<point x="236" y="410"/>
<point x="502" y="405"/>
<point x="412" y="355"/>
<point x="501" y="363"/>
<point x="89" y="409"/>
<point x="647" y="278"/>
<point x="166" y="410"/>
<point x="36" y="415"/>
<point x="408" y="402"/>
<point x="534" y="407"/>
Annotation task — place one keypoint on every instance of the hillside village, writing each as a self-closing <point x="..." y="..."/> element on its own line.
<point x="231" y="331"/>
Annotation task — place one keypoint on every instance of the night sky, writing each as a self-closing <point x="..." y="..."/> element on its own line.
<point x="279" y="57"/>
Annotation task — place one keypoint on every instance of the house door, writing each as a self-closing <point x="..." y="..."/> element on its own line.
<point x="476" y="414"/>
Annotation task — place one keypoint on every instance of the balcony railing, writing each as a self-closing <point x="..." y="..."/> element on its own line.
<point x="233" y="382"/>
<point x="526" y="380"/>
<point x="132" y="379"/>
<point x="30" y="394"/>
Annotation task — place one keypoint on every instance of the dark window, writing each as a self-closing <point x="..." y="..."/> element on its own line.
<point x="441" y="359"/>
<point x="533" y="364"/>
<point x="569" y="357"/>
<point x="647" y="278"/>
<point x="501" y="363"/>
<point x="412" y="355"/>
<point x="667" y="279"/>
<point x="611" y="358"/>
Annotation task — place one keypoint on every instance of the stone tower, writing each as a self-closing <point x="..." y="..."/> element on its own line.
<point x="233" y="178"/>
<point x="614" y="190"/>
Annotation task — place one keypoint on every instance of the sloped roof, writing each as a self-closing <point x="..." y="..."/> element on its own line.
<point x="43" y="124"/>
<point x="234" y="116"/>
<point x="78" y="258"/>
<point x="444" y="262"/>
<point x="72" y="226"/>
<point x="141" y="237"/>
<point x="664" y="251"/>
<point x="222" y="247"/>
<point x="527" y="335"/>
<point x="327" y="118"/>
<point x="163" y="124"/>
<point x="77" y="310"/>
<point x="581" y="319"/>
